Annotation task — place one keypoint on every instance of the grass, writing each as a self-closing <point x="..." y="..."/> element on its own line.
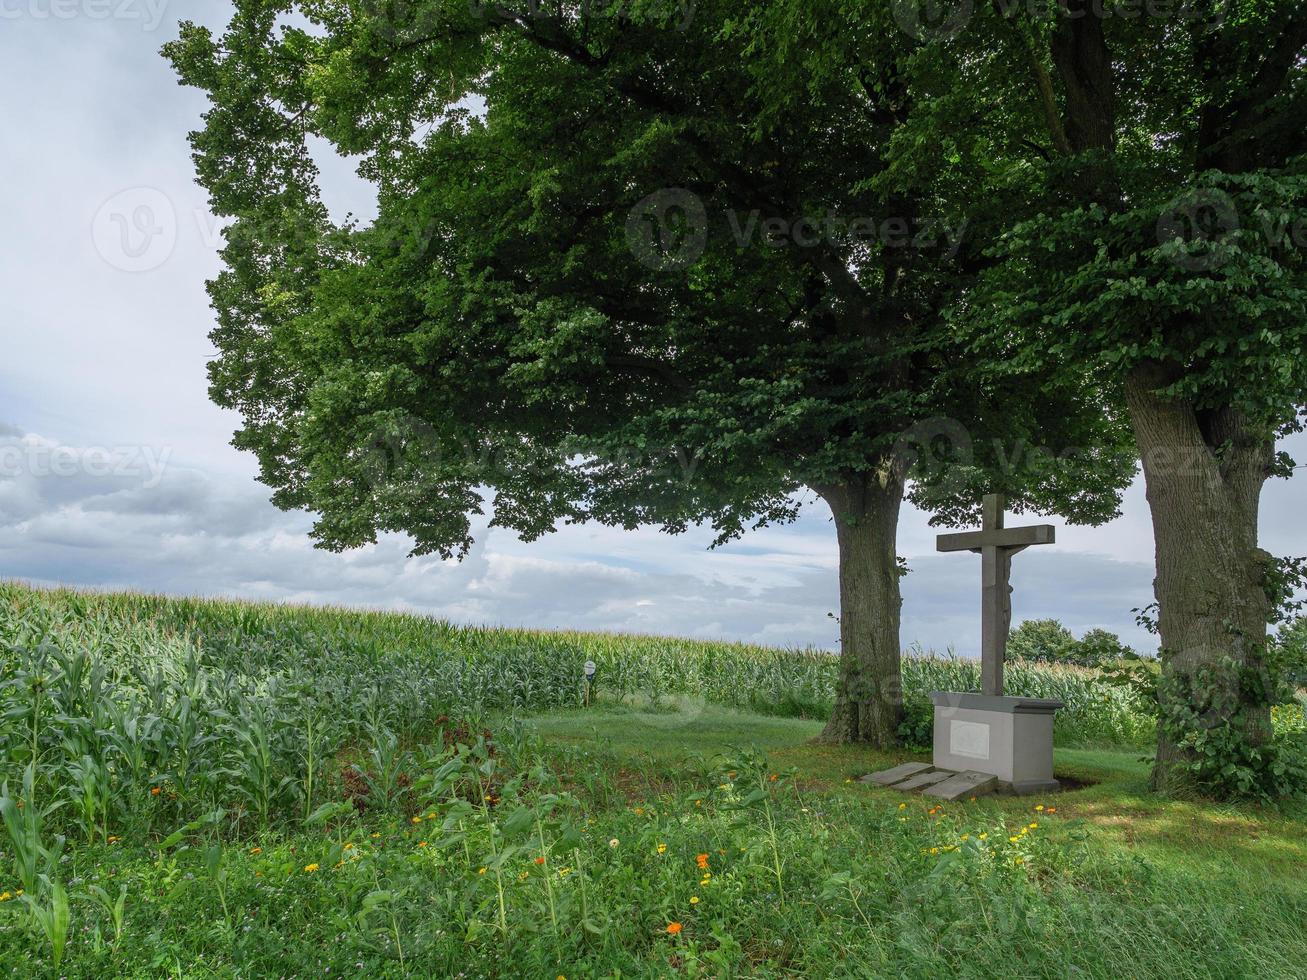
<point x="226" y="789"/>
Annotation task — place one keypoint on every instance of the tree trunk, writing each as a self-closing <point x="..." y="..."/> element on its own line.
<point x="868" y="695"/>
<point x="1204" y="472"/>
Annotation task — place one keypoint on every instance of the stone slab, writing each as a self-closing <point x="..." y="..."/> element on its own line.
<point x="889" y="777"/>
<point x="958" y="785"/>
<point x="923" y="780"/>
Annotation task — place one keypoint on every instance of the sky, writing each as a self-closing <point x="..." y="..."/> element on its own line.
<point x="116" y="471"/>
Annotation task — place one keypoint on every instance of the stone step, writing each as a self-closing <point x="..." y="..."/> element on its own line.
<point x="960" y="784"/>
<point x="923" y="780"/>
<point x="889" y="777"/>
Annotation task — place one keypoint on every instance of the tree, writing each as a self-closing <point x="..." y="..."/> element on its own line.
<point x="1164" y="252"/>
<point x="1039" y="641"/>
<point x="628" y="266"/>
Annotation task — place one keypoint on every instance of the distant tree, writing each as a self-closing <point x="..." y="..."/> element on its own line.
<point x="1097" y="648"/>
<point x="1039" y="641"/>
<point x="629" y="266"/>
<point x="1292" y="642"/>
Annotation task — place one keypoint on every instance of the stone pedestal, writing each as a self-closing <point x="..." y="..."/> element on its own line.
<point x="1011" y="738"/>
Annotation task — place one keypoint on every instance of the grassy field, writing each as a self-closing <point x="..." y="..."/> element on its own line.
<point x="218" y="789"/>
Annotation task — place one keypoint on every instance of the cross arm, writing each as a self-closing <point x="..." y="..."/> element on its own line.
<point x="1010" y="537"/>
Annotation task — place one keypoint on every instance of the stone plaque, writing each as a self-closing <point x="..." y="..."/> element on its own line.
<point x="969" y="738"/>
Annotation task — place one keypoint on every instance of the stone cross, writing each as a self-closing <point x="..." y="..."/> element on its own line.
<point x="996" y="546"/>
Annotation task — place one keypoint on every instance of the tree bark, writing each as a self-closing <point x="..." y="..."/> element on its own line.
<point x="1204" y="472"/>
<point x="868" y="695"/>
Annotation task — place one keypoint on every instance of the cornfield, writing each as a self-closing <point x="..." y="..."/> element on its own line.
<point x="136" y="710"/>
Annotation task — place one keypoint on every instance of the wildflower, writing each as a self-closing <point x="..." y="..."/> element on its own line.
<point x="1051" y="809"/>
<point x="1040" y="808"/>
<point x="154" y="791"/>
<point x="422" y="843"/>
<point x="349" y="847"/>
<point x="540" y="860"/>
<point x="256" y="850"/>
<point x="1014" y="840"/>
<point x="694" y="899"/>
<point x="258" y="874"/>
<point x="375" y="836"/>
<point x="614" y="842"/>
<point x="639" y="811"/>
<point x="934" y="850"/>
<point x="662" y="848"/>
<point x="966" y="837"/>
<point x="673" y="928"/>
<point x="431" y="816"/>
<point x="1033" y="826"/>
<point x="113" y="840"/>
<point x="5" y="896"/>
<point x="903" y="806"/>
<point x="698" y="802"/>
<point x="774" y="777"/>
<point x="310" y="867"/>
<point x="524" y="876"/>
<point x="564" y="872"/>
<point x="481" y="871"/>
<point x="702" y="861"/>
<point x="984" y="836"/>
<point x="416" y="820"/>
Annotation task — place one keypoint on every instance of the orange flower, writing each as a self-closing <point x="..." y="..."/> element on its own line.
<point x="702" y="861"/>
<point x="540" y="860"/>
<point x="673" y="928"/>
<point x="154" y="791"/>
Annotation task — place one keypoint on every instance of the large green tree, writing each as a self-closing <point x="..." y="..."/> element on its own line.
<point x="634" y="264"/>
<point x="1162" y="246"/>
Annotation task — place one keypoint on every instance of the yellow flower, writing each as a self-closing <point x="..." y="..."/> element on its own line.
<point x="5" y="896"/>
<point x="258" y="874"/>
<point x="375" y="836"/>
<point x="416" y="820"/>
<point x="310" y="867"/>
<point x="903" y="806"/>
<point x="114" y="840"/>
<point x="481" y="871"/>
<point x="984" y="837"/>
<point x="694" y="899"/>
<point x="524" y="876"/>
<point x="966" y="837"/>
<point x="431" y="816"/>
<point x="349" y="847"/>
<point x="1014" y="839"/>
<point x="934" y="850"/>
<point x="1033" y="826"/>
<point x="256" y="850"/>
<point x="662" y="848"/>
<point x="1040" y="808"/>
